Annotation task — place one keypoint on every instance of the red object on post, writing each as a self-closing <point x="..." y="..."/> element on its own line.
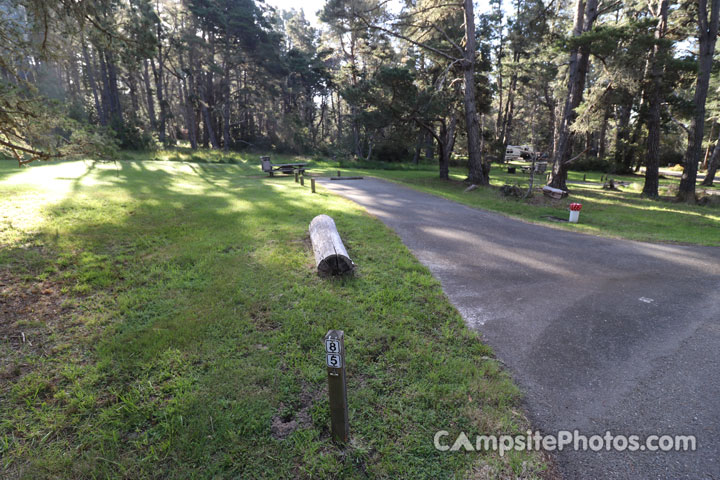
<point x="575" y="207"/>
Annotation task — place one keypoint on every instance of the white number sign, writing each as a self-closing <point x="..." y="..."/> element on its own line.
<point x="334" y="360"/>
<point x="332" y="346"/>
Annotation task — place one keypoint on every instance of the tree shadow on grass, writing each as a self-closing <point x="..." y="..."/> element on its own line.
<point x="168" y="261"/>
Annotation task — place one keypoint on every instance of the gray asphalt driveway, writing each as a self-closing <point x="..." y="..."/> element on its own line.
<point x="601" y="334"/>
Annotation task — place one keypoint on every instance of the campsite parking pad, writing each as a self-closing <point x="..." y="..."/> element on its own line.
<point x="602" y="334"/>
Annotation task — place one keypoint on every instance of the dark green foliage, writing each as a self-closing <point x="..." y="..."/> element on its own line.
<point x="131" y="136"/>
<point x="587" y="163"/>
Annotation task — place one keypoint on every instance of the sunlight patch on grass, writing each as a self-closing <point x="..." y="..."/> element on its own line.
<point x="193" y="319"/>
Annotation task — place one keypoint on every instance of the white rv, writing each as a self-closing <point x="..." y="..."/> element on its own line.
<point x="517" y="152"/>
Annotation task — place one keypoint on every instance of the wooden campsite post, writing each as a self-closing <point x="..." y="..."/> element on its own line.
<point x="296" y="177"/>
<point x="312" y="185"/>
<point x="337" y="385"/>
<point x="302" y="180"/>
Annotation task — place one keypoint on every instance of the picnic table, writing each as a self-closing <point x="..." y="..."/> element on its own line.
<point x="286" y="168"/>
<point x="540" y="167"/>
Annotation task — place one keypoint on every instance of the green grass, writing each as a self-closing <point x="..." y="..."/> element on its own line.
<point x="245" y="163"/>
<point x="164" y="315"/>
<point x="624" y="214"/>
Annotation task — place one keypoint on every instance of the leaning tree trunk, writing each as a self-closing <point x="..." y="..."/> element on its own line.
<point x="707" y="35"/>
<point x="652" y="161"/>
<point x="476" y="173"/>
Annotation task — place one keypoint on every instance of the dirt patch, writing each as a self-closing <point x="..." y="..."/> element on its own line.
<point x="283" y="425"/>
<point x="29" y="313"/>
<point x="538" y="199"/>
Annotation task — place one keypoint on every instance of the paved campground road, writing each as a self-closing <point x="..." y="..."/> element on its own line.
<point x="602" y="334"/>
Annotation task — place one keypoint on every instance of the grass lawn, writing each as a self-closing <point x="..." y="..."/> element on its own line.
<point x="623" y="214"/>
<point x="163" y="320"/>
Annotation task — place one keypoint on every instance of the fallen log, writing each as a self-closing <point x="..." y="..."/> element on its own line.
<point x="331" y="257"/>
<point x="555" y="193"/>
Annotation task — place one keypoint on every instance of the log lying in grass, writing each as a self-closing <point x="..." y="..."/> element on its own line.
<point x="330" y="254"/>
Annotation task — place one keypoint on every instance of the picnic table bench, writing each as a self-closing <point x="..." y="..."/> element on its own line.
<point x="287" y="168"/>
<point x="540" y="167"/>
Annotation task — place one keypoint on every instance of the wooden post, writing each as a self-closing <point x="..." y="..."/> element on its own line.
<point x="339" y="174"/>
<point x="302" y="180"/>
<point x="312" y="185"/>
<point x="296" y="177"/>
<point x="337" y="385"/>
<point x="584" y="177"/>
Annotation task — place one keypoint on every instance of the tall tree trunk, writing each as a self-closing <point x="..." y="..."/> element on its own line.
<point x="631" y="150"/>
<point x="585" y="15"/>
<point x="355" y="131"/>
<point x="449" y="141"/>
<point x="622" y="131"/>
<point x="207" y="120"/>
<point x="160" y="86"/>
<point x="476" y="169"/>
<point x="418" y="146"/>
<point x="602" y="139"/>
<point x="226" y="107"/>
<point x="113" y="91"/>
<point x="148" y="91"/>
<point x="90" y="71"/>
<point x="708" y="149"/>
<point x="652" y="161"/>
<point x="105" y="93"/>
<point x="186" y="84"/>
<point x="707" y="35"/>
<point x="132" y="84"/>
<point x="712" y="165"/>
<point x="509" y="108"/>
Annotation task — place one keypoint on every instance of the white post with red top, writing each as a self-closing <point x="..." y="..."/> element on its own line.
<point x="575" y="212"/>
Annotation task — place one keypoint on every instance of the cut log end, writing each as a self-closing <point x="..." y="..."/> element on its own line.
<point x="335" y="265"/>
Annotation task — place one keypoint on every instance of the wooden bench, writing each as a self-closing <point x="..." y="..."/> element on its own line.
<point x="286" y="168"/>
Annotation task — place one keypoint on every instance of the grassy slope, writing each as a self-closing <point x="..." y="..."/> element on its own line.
<point x="189" y="318"/>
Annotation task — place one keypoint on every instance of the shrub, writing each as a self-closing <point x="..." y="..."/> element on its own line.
<point x="131" y="136"/>
<point x="586" y="163"/>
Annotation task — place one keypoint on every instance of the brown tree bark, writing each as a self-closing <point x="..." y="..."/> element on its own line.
<point x="226" y="106"/>
<point x="712" y="165"/>
<point x="585" y="16"/>
<point x="704" y="164"/>
<point x="707" y="36"/>
<point x="476" y="170"/>
<point x="652" y="161"/>
<point x="148" y="92"/>
<point x="90" y="71"/>
<point x="602" y="139"/>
